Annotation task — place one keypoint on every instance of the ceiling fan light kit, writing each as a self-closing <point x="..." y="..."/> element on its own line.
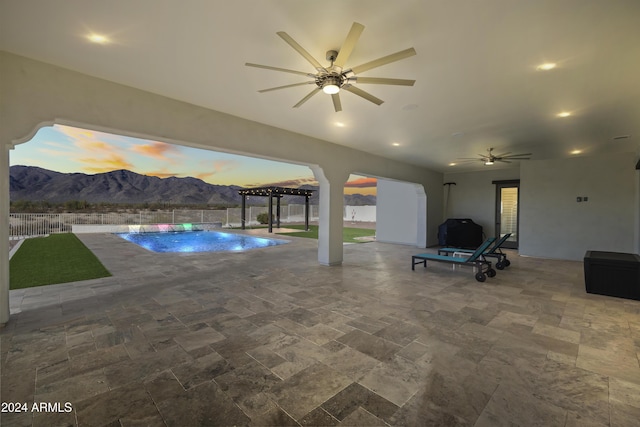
<point x="336" y="77"/>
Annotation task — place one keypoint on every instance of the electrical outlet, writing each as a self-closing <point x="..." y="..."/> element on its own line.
<point x="578" y="199"/>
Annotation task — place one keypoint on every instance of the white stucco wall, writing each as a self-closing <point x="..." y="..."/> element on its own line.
<point x="401" y="213"/>
<point x="474" y="196"/>
<point x="554" y="225"/>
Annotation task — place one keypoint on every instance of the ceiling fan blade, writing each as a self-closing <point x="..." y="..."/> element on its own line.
<point x="306" y="98"/>
<point x="284" y="87"/>
<point x="337" y="105"/>
<point x="467" y="160"/>
<point x="363" y="94"/>
<point x="503" y="161"/>
<point x="384" y="60"/>
<point x="349" y="44"/>
<point x="287" y="38"/>
<point x="384" y="81"/>
<point x="513" y="156"/>
<point x="268" y="67"/>
<point x="503" y="154"/>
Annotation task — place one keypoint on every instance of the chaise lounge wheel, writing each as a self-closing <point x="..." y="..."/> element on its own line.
<point x="480" y="277"/>
<point x="499" y="265"/>
<point x="491" y="272"/>
<point x="507" y="263"/>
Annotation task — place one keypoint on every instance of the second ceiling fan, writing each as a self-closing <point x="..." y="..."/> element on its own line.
<point x="489" y="159"/>
<point x="336" y="76"/>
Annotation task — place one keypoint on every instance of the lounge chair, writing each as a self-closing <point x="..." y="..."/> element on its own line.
<point x="475" y="259"/>
<point x="494" y="251"/>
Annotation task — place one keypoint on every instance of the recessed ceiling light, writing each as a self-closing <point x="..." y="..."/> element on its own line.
<point x="339" y="124"/>
<point x="395" y="144"/>
<point x="452" y="164"/>
<point x="576" y="152"/>
<point x="546" y="66"/>
<point x="97" y="38"/>
<point x="564" y="114"/>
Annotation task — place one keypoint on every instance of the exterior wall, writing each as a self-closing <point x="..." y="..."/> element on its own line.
<point x="554" y="225"/>
<point x="474" y="196"/>
<point x="401" y="213"/>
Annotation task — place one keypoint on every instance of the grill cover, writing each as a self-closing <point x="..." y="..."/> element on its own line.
<point x="460" y="233"/>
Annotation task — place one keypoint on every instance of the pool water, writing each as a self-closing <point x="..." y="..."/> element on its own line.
<point x="198" y="241"/>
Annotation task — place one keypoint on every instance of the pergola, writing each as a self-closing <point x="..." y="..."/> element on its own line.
<point x="277" y="193"/>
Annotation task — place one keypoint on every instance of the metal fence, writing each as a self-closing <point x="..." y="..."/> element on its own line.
<point x="36" y="224"/>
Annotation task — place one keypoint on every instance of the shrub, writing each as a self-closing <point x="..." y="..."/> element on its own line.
<point x="263" y="218"/>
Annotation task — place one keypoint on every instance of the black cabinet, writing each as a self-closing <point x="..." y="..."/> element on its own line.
<point x="614" y="274"/>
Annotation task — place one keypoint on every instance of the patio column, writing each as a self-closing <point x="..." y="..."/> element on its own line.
<point x="331" y="214"/>
<point x="4" y="234"/>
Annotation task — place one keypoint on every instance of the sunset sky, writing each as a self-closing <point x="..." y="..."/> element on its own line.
<point x="69" y="149"/>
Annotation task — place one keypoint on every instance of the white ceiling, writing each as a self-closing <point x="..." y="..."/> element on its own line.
<point x="477" y="85"/>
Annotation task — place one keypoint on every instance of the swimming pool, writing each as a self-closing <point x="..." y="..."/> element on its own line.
<point x="198" y="241"/>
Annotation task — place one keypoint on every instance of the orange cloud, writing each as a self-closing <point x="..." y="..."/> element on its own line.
<point x="93" y="145"/>
<point x="157" y="150"/>
<point x="87" y="139"/>
<point x="290" y="183"/>
<point x="224" y="165"/>
<point x="77" y="134"/>
<point x="362" y="183"/>
<point x="214" y="167"/>
<point x="204" y="175"/>
<point x="106" y="164"/>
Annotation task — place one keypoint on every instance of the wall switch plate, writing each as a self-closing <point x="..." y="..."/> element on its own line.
<point x="585" y="198"/>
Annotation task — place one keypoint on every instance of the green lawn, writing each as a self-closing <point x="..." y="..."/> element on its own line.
<point x="59" y="258"/>
<point x="349" y="235"/>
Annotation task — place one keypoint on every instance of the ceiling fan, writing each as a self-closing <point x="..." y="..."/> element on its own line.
<point x="489" y="159"/>
<point x="336" y="76"/>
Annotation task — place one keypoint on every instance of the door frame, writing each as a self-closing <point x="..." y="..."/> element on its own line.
<point x="510" y="183"/>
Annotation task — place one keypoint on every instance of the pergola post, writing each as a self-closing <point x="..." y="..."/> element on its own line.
<point x="306" y="213"/>
<point x="270" y="214"/>
<point x="243" y="214"/>
<point x="278" y="212"/>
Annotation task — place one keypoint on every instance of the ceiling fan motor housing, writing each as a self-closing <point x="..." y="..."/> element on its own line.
<point x="333" y="78"/>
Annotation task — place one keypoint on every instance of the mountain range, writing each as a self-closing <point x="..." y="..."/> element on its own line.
<point x="123" y="186"/>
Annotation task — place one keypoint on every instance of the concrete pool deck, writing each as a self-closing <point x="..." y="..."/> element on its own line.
<point x="270" y="337"/>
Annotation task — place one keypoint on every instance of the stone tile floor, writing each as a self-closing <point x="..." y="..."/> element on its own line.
<point x="271" y="338"/>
